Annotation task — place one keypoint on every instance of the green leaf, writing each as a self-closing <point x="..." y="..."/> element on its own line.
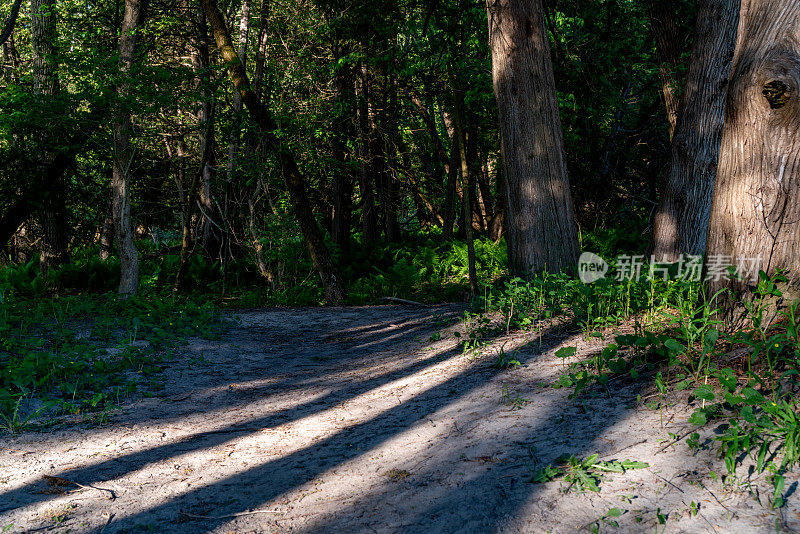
<point x="705" y="392"/>
<point x="751" y="396"/>
<point x="674" y="346"/>
<point x="698" y="418"/>
<point x="566" y="352"/>
<point x="633" y="464"/>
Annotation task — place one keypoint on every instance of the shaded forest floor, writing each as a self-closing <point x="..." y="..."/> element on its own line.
<point x="371" y="419"/>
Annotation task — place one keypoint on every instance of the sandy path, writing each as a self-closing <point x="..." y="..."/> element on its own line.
<point x="354" y="420"/>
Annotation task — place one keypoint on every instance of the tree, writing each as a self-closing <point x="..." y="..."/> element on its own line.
<point x="294" y="179"/>
<point x="668" y="50"/>
<point x="124" y="152"/>
<point x="8" y="26"/>
<point x="681" y="221"/>
<point x="756" y="206"/>
<point x="46" y="87"/>
<point x="542" y="233"/>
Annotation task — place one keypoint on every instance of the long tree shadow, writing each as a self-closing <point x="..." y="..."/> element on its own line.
<point x="493" y="493"/>
<point x="118" y="466"/>
<point x="273" y="478"/>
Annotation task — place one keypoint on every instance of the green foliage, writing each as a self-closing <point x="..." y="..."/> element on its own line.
<point x="586" y="474"/>
<point x="85" y="353"/>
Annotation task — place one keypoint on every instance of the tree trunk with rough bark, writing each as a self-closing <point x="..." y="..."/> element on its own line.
<point x="53" y="213"/>
<point x="294" y="179"/>
<point x="756" y="208"/>
<point x="124" y="152"/>
<point x="681" y="221"/>
<point x="668" y="52"/>
<point x="542" y="234"/>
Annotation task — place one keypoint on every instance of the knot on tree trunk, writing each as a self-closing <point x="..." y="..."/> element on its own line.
<point x="778" y="93"/>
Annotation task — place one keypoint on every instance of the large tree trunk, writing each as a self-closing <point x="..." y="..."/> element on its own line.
<point x="756" y="208"/>
<point x="53" y="213"/>
<point x="124" y="152"/>
<point x="668" y="51"/>
<point x="542" y="233"/>
<point x="294" y="179"/>
<point x="681" y="221"/>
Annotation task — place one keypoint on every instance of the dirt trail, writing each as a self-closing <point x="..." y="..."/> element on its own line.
<point x="361" y="420"/>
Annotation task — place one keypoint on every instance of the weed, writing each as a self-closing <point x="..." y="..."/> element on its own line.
<point x="608" y="519"/>
<point x="586" y="474"/>
<point x="14" y="423"/>
<point x="512" y="399"/>
<point x="505" y="361"/>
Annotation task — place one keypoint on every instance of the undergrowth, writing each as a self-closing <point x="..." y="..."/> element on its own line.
<point x="79" y="354"/>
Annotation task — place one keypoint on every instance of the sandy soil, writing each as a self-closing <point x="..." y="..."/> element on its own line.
<point x="358" y="420"/>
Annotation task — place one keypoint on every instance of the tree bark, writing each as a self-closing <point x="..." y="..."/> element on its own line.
<point x="124" y="152"/>
<point x="294" y="179"/>
<point x="542" y="233"/>
<point x="668" y="52"/>
<point x="53" y="213"/>
<point x="756" y="208"/>
<point x="681" y="220"/>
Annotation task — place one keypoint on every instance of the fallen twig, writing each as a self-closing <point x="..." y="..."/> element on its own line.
<point x="59" y="481"/>
<point x="228" y="516"/>
<point x="671" y="443"/>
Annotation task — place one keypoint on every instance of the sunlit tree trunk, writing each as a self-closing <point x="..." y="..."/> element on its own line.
<point x="542" y="233"/>
<point x="53" y="214"/>
<point x="294" y="179"/>
<point x="681" y="221"/>
<point x="756" y="208"/>
<point x="124" y="152"/>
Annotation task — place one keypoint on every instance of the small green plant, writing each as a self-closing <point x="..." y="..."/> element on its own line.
<point x="585" y="474"/>
<point x="13" y="423"/>
<point x="608" y="519"/>
<point x="512" y="399"/>
<point x="505" y="361"/>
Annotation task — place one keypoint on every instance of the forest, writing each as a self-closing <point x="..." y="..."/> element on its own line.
<point x="399" y="266"/>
